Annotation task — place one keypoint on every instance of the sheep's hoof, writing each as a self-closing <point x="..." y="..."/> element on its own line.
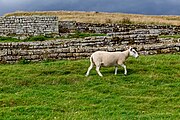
<point x="125" y="74"/>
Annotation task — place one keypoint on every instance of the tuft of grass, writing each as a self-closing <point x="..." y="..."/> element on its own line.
<point x="8" y="39"/>
<point x="33" y="38"/>
<point x="126" y="20"/>
<point x="170" y="36"/>
<point x="82" y="35"/>
<point x="43" y="38"/>
<point x="59" y="90"/>
<point x="36" y="38"/>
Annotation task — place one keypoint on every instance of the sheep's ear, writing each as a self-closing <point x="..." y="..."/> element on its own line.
<point x="130" y="48"/>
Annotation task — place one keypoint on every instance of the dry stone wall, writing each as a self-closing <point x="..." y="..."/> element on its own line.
<point x="42" y="25"/>
<point x="70" y="26"/>
<point x="143" y="37"/>
<point x="28" y="25"/>
<point x="75" y="49"/>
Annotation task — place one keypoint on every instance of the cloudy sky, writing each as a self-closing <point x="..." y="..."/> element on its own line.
<point x="149" y="7"/>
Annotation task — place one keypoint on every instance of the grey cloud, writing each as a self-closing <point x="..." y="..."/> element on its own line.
<point x="150" y="7"/>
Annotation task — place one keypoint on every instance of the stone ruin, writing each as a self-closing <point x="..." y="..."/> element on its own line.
<point x="28" y="25"/>
<point x="143" y="37"/>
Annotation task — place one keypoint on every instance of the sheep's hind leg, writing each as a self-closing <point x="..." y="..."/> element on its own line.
<point x="116" y="69"/>
<point x="97" y="69"/>
<point x="125" y="70"/>
<point x="89" y="69"/>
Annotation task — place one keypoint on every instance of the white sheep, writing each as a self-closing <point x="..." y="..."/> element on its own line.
<point x="103" y="58"/>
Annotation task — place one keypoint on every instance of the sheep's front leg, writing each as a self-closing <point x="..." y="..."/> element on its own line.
<point x="116" y="69"/>
<point x="97" y="69"/>
<point x="125" y="70"/>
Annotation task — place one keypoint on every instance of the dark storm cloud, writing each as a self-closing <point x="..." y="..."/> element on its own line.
<point x="151" y="7"/>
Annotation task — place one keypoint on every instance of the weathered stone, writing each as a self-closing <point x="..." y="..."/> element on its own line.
<point x="28" y="25"/>
<point x="65" y="50"/>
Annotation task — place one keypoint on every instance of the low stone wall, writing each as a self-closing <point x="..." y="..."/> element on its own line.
<point x="74" y="49"/>
<point x="143" y="37"/>
<point x="28" y="25"/>
<point x="70" y="26"/>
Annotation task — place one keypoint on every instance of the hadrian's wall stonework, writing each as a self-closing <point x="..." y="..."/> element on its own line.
<point x="42" y="25"/>
<point x="143" y="37"/>
<point x="77" y="48"/>
<point x="28" y="25"/>
<point x="70" y="26"/>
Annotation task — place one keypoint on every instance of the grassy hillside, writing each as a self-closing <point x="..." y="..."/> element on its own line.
<point x="101" y="17"/>
<point x="59" y="90"/>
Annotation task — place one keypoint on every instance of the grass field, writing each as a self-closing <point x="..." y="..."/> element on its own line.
<point x="102" y="17"/>
<point x="59" y="90"/>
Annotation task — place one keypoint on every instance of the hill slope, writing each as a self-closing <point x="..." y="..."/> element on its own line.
<point x="101" y="17"/>
<point x="59" y="90"/>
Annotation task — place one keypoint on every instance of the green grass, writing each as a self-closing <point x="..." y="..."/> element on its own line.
<point x="59" y="90"/>
<point x="34" y="38"/>
<point x="82" y="35"/>
<point x="8" y="39"/>
<point x="170" y="36"/>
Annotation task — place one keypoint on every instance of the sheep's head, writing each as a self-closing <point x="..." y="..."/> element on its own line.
<point x="133" y="52"/>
